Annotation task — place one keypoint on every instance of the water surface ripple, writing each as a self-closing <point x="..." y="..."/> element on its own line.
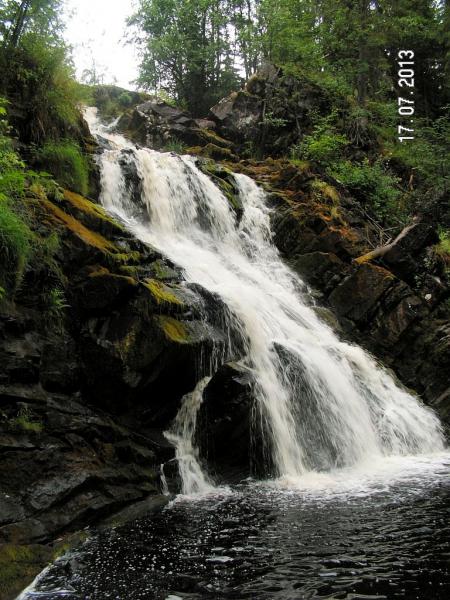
<point x="381" y="539"/>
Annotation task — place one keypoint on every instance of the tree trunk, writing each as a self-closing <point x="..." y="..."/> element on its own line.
<point x="382" y="250"/>
<point x="19" y="23"/>
<point x="362" y="53"/>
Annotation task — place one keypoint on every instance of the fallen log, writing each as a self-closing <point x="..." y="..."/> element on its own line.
<point x="382" y="250"/>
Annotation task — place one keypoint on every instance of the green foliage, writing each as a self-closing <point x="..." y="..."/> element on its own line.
<point x="271" y="121"/>
<point x="85" y="94"/>
<point x="56" y="304"/>
<point x="442" y="249"/>
<point x="12" y="177"/>
<point x="325" y="144"/>
<point x="40" y="79"/>
<point x="125" y="99"/>
<point x="428" y="157"/>
<point x="15" y="235"/>
<point x="18" y="18"/>
<point x="372" y="184"/>
<point x="176" y="146"/>
<point x="112" y="100"/>
<point x="15" y="247"/>
<point x="26" y="421"/>
<point x="186" y="50"/>
<point x="66" y="162"/>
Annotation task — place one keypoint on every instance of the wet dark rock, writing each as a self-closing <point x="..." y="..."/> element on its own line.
<point x="83" y="389"/>
<point x="229" y="437"/>
<point x="404" y="257"/>
<point x="321" y="269"/>
<point x="61" y="469"/>
<point x="99" y="289"/>
<point x="59" y="365"/>
<point x="358" y="294"/>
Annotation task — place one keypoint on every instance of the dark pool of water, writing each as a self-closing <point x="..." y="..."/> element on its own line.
<point x="260" y="543"/>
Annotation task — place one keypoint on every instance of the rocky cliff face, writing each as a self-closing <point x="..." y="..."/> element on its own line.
<point x="87" y="386"/>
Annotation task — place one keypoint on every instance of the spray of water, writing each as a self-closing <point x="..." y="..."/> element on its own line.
<point x="324" y="403"/>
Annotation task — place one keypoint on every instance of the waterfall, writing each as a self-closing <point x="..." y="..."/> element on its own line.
<point x="324" y="403"/>
<point x="181" y="434"/>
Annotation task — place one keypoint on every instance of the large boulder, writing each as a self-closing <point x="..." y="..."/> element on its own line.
<point x="228" y="429"/>
<point x="157" y="124"/>
<point x="356" y="297"/>
<point x="238" y="116"/>
<point x="271" y="114"/>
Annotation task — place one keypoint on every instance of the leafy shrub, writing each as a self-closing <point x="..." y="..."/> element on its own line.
<point x="442" y="249"/>
<point x="372" y="184"/>
<point x="56" y="302"/>
<point x="270" y="120"/>
<point x="324" y="145"/>
<point x="15" y="247"/>
<point x="175" y="146"/>
<point x="12" y="178"/>
<point x="125" y="99"/>
<point x="66" y="162"/>
<point x="39" y="77"/>
<point x="429" y="156"/>
<point x="15" y="235"/>
<point x="111" y="100"/>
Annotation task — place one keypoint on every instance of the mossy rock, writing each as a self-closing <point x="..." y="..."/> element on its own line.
<point x="302" y="165"/>
<point x="92" y="215"/>
<point x="211" y="137"/>
<point x="174" y="330"/>
<point x="256" y="85"/>
<point x="217" y="153"/>
<point x="194" y="150"/>
<point x="224" y="179"/>
<point x="101" y="288"/>
<point x="75" y="227"/>
<point x="19" y="565"/>
<point x="162" y="271"/>
<point x="120" y="259"/>
<point x="325" y="191"/>
<point x="163" y="294"/>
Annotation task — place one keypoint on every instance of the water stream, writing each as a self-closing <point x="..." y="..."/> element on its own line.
<point x="358" y="507"/>
<point x="324" y="403"/>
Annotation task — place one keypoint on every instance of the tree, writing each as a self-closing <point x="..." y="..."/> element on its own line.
<point x="36" y="72"/>
<point x="95" y="75"/>
<point x="186" y="50"/>
<point x="20" y="16"/>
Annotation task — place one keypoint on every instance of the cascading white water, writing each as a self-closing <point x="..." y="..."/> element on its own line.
<point x="181" y="434"/>
<point x="325" y="403"/>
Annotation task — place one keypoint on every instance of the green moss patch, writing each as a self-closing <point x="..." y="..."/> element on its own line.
<point x="76" y="227"/>
<point x="212" y="137"/>
<point x="19" y="565"/>
<point x="162" y="293"/>
<point x="66" y="162"/>
<point x="174" y="330"/>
